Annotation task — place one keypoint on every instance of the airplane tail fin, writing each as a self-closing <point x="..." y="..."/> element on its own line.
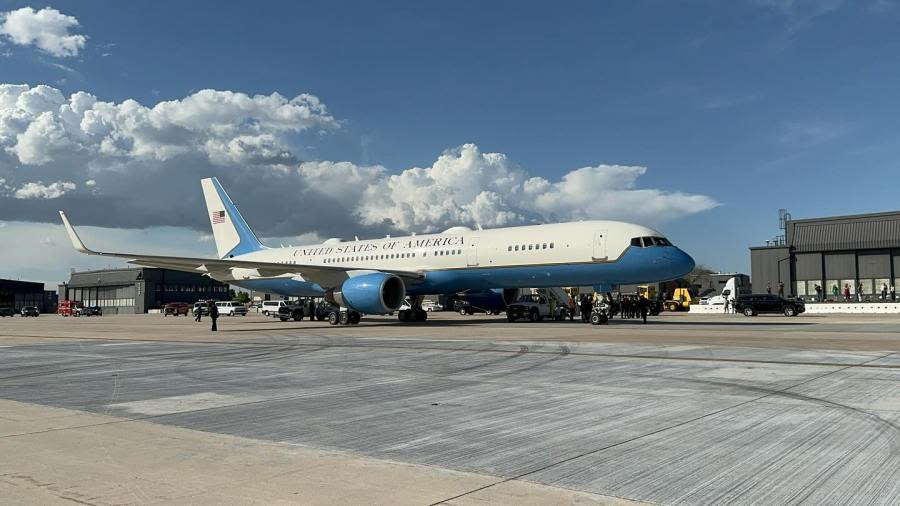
<point x="232" y="234"/>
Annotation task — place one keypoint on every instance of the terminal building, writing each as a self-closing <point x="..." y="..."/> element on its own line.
<point x="853" y="251"/>
<point x="137" y="290"/>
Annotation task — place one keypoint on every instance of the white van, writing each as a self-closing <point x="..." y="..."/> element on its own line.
<point x="231" y="309"/>
<point x="271" y="306"/>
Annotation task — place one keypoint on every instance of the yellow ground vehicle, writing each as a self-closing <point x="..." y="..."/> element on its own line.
<point x="680" y="301"/>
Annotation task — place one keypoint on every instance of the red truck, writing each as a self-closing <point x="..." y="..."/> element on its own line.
<point x="69" y="308"/>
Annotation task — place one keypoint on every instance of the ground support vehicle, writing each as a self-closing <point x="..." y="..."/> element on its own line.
<point x="680" y="301"/>
<point x="6" y="311"/>
<point x="600" y="314"/>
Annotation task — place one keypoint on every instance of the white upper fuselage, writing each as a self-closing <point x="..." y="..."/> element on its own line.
<point x="575" y="242"/>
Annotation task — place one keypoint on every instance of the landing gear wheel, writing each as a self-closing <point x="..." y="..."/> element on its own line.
<point x="598" y="319"/>
<point x="421" y="315"/>
<point x="748" y="311"/>
<point x="354" y="318"/>
<point x="344" y="318"/>
<point x="333" y="318"/>
<point x="403" y="315"/>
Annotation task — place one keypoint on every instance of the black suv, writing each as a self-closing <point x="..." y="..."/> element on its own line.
<point x="752" y="305"/>
<point x="30" y="311"/>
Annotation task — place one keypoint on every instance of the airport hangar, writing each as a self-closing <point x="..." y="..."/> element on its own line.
<point x="137" y="290"/>
<point x="855" y="250"/>
<point x="18" y="294"/>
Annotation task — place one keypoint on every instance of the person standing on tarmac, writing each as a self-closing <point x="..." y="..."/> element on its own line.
<point x="198" y="312"/>
<point x="645" y="308"/>
<point x="585" y="309"/>
<point x="571" y="307"/>
<point x="727" y="300"/>
<point x="213" y="315"/>
<point x="312" y="310"/>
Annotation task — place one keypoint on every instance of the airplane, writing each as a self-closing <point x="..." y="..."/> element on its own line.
<point x="375" y="276"/>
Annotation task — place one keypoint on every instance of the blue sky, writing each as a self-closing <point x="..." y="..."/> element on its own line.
<point x="757" y="104"/>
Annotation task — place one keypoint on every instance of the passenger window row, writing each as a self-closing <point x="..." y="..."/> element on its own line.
<point x="392" y="256"/>
<point x="529" y="247"/>
<point x="646" y="242"/>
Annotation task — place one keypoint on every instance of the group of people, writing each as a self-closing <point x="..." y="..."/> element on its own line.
<point x="634" y="306"/>
<point x="887" y="292"/>
<point x="630" y="306"/>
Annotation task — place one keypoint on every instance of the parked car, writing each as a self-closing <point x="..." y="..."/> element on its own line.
<point x="228" y="308"/>
<point x="754" y="304"/>
<point x="30" y="311"/>
<point x="529" y="306"/>
<point x="90" y="311"/>
<point x="6" y="311"/>
<point x="176" y="309"/>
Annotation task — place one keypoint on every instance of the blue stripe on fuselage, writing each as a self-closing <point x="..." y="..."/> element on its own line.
<point x="637" y="265"/>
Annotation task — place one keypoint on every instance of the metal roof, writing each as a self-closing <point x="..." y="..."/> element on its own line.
<point x="105" y="277"/>
<point x="864" y="231"/>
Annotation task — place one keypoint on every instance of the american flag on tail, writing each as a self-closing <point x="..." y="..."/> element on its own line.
<point x="217" y="217"/>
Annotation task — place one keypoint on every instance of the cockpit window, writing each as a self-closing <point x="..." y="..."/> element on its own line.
<point x="646" y="242"/>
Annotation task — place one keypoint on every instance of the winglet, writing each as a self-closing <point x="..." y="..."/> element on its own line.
<point x="73" y="235"/>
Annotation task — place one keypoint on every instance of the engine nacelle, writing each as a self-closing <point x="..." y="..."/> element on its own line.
<point x="375" y="293"/>
<point x="495" y="299"/>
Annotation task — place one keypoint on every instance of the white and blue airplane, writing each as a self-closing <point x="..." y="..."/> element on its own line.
<point x="375" y="276"/>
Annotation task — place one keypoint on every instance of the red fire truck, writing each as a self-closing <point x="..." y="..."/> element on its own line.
<point x="69" y="308"/>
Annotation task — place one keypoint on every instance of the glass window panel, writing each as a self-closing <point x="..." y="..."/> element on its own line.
<point x="801" y="288"/>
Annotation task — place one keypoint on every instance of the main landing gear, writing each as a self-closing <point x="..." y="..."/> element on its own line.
<point x="348" y="317"/>
<point x="415" y="313"/>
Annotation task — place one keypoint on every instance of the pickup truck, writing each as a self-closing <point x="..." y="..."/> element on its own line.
<point x="529" y="306"/>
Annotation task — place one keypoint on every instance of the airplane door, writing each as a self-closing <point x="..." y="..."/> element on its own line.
<point x="599" y="245"/>
<point x="472" y="252"/>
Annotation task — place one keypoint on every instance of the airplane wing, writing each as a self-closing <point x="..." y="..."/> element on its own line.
<point x="325" y="275"/>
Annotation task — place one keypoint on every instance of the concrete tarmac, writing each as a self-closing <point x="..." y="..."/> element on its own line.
<point x="458" y="410"/>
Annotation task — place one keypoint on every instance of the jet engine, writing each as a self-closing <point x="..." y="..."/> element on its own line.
<point x="375" y="293"/>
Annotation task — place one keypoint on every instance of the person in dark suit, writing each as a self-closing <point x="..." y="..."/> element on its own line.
<point x="213" y="315"/>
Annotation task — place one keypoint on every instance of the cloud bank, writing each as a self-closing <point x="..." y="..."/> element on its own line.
<point x="47" y="29"/>
<point x="128" y="165"/>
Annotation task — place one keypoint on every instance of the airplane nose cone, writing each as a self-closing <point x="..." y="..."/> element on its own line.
<point x="682" y="262"/>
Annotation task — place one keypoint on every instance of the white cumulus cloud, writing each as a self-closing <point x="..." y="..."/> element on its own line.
<point x="39" y="190"/>
<point x="39" y="124"/>
<point x="148" y="161"/>
<point x="47" y="29"/>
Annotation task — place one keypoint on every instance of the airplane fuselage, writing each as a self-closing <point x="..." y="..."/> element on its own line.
<point x="566" y="254"/>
